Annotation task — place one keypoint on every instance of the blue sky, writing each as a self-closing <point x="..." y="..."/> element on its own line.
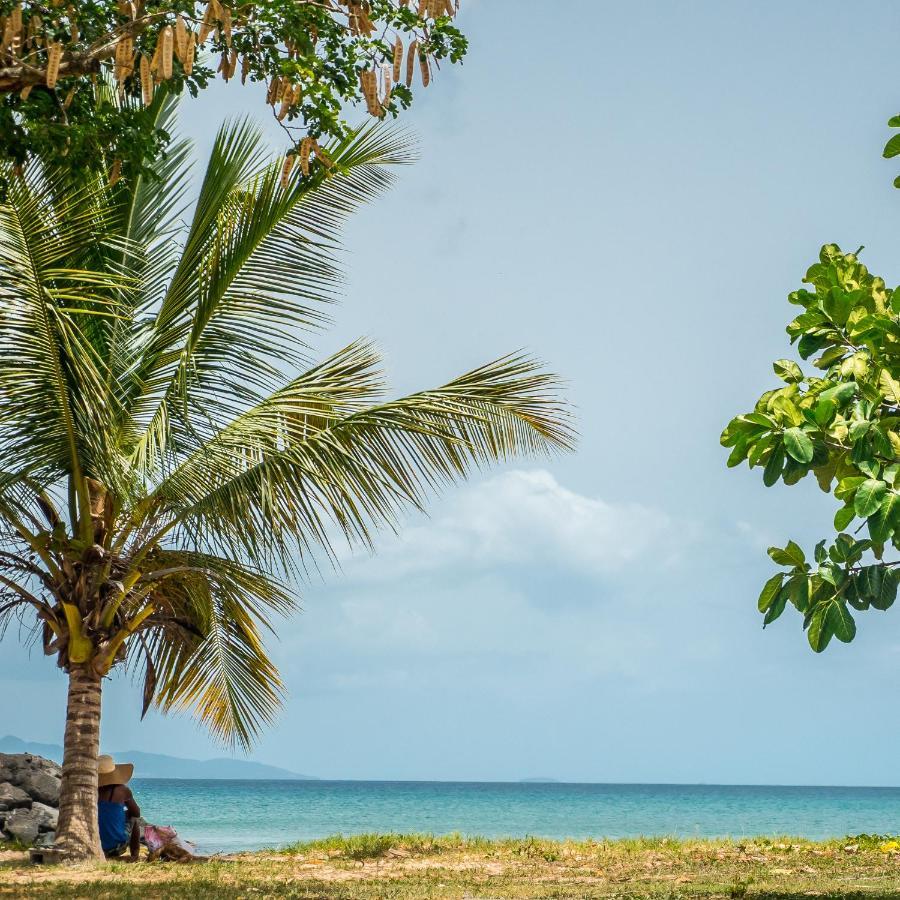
<point x="634" y="208"/>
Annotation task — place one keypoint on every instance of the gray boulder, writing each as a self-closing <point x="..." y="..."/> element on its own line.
<point x="12" y="797"/>
<point x="23" y="824"/>
<point x="47" y="816"/>
<point x="29" y="796"/>
<point x="41" y="785"/>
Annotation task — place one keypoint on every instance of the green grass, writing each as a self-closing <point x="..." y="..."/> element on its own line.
<point x="440" y="867"/>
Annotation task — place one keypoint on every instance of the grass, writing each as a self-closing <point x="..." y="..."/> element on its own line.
<point x="404" y="867"/>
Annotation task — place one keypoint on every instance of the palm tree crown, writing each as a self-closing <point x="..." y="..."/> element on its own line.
<point x="170" y="455"/>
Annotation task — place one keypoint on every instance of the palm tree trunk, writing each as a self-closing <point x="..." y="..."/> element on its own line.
<point x="77" y="835"/>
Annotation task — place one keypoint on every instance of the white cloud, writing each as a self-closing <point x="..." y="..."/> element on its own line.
<point x="528" y="519"/>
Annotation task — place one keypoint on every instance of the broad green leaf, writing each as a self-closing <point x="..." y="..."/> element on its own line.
<point x="892" y="147"/>
<point x="774" y="466"/>
<point x="843" y="517"/>
<point x="787" y="370"/>
<point x="798" y="444"/>
<point x="868" y="497"/>
<point x="830" y="619"/>
<point x="770" y="592"/>
<point x="890" y="387"/>
<point x="847" y="487"/>
<point x="840" y="393"/>
<point x="792" y="555"/>
<point x="824" y="412"/>
<point x="776" y="609"/>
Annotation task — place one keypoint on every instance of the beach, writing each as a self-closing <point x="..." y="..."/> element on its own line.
<point x="376" y="866"/>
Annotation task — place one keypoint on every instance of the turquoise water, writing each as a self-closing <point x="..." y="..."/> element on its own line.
<point x="246" y="815"/>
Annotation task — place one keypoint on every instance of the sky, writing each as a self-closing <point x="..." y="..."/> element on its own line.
<point x="629" y="191"/>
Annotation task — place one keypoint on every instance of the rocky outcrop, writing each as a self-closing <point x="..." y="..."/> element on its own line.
<point x="29" y="798"/>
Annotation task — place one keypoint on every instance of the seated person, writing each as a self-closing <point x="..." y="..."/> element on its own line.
<point x="118" y="814"/>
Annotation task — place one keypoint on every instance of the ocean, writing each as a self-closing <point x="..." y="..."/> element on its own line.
<point x="225" y="816"/>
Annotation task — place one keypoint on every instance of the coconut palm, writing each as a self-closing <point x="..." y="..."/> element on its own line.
<point x="171" y="459"/>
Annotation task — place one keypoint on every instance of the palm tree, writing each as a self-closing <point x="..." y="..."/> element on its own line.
<point x="171" y="458"/>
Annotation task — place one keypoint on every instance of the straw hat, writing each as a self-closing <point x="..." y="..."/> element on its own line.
<point x="109" y="773"/>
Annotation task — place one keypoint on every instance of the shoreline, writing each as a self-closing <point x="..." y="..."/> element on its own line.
<point x="418" y="865"/>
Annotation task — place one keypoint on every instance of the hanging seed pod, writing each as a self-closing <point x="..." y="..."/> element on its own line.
<point x="26" y="91"/>
<point x="287" y="97"/>
<point x="274" y="91"/>
<point x="286" y="169"/>
<point x="69" y="98"/>
<point x="387" y="82"/>
<point x="425" y="69"/>
<point x="54" y="56"/>
<point x="245" y="68"/>
<point x="115" y="173"/>
<point x="207" y="25"/>
<point x="323" y="157"/>
<point x="422" y="9"/>
<point x="15" y="21"/>
<point x="181" y="38"/>
<point x="124" y="57"/>
<point x="146" y="81"/>
<point x="369" y="83"/>
<point x="411" y="61"/>
<point x="189" y="54"/>
<point x="398" y="57"/>
<point x="154" y="61"/>
<point x="226" y="24"/>
<point x="305" y="148"/>
<point x="166" y="41"/>
<point x="298" y="94"/>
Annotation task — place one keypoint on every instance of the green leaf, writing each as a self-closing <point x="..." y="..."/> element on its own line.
<point x="774" y="466"/>
<point x="787" y="370"/>
<point x="770" y="592"/>
<point x="843" y="517"/>
<point x="798" y="444"/>
<point x="892" y="147"/>
<point x="776" y="609"/>
<point x="868" y="497"/>
<point x="840" y="393"/>
<point x="824" y="412"/>
<point x="890" y="387"/>
<point x="792" y="555"/>
<point x="831" y="618"/>
<point x="880" y="586"/>
<point x="847" y="487"/>
<point x="882" y="522"/>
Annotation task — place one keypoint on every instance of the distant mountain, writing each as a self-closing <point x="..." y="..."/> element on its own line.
<point x="158" y="765"/>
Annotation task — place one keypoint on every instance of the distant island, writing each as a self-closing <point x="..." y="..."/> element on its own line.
<point x="158" y="765"/>
<point x="538" y="781"/>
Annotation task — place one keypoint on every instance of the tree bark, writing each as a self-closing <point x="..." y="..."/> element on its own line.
<point x="77" y="834"/>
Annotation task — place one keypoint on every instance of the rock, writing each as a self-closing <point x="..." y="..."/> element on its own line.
<point x="41" y="785"/>
<point x="38" y="777"/>
<point x="48" y="816"/>
<point x="12" y="797"/>
<point x="23" y="824"/>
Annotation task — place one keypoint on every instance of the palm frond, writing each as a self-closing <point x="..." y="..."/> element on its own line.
<point x="360" y="470"/>
<point x="204" y="644"/>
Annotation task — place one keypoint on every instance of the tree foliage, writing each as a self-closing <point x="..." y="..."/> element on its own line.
<point x="839" y="421"/>
<point x="314" y="56"/>
<point x="170" y="456"/>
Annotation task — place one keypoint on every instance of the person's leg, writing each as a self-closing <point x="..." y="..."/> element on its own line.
<point x="134" y="840"/>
